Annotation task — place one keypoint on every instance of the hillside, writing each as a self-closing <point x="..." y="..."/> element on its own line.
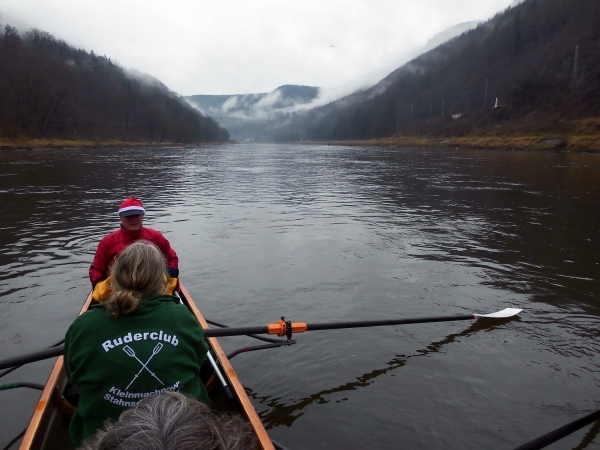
<point x="248" y="104"/>
<point x="246" y="115"/>
<point x="259" y="116"/>
<point x="52" y="90"/>
<point x="539" y="59"/>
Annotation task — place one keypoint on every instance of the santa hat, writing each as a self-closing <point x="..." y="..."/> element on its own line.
<point x="131" y="207"/>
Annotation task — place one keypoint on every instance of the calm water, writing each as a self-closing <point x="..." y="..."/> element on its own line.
<point x="320" y="233"/>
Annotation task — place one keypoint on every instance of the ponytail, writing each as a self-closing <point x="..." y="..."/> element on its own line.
<point x="139" y="272"/>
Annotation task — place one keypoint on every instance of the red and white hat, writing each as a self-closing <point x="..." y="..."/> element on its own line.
<point x="131" y="207"/>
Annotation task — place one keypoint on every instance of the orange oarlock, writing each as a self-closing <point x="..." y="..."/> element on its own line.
<point x="278" y="328"/>
<point x="281" y="327"/>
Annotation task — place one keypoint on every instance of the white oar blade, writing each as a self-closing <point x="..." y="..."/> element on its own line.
<point x="508" y="312"/>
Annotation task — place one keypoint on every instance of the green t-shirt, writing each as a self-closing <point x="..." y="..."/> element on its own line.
<point x="116" y="361"/>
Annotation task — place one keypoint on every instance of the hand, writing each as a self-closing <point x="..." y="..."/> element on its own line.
<point x="102" y="290"/>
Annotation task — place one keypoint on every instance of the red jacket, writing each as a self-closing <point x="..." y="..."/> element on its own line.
<point x="117" y="241"/>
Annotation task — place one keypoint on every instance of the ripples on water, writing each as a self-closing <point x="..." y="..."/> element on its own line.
<point x="321" y="233"/>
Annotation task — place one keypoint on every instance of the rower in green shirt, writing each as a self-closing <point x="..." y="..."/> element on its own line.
<point x="138" y="344"/>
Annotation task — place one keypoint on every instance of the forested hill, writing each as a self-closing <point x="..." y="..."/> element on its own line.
<point x="249" y="115"/>
<point x="245" y="105"/>
<point x="532" y="68"/>
<point x="52" y="90"/>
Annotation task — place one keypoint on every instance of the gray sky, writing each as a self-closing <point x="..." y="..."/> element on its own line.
<point x="248" y="46"/>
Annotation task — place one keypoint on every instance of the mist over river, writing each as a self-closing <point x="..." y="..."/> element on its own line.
<point x="323" y="233"/>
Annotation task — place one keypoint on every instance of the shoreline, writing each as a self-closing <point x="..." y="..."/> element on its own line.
<point x="567" y="143"/>
<point x="31" y="144"/>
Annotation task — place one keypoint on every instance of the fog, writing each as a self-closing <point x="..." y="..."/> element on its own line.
<point x="238" y="47"/>
<point x="264" y="106"/>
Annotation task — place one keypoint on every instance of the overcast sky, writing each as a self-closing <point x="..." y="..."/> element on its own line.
<point x="248" y="46"/>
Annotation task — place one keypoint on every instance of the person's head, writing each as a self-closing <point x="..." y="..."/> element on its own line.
<point x="131" y="213"/>
<point x="172" y="421"/>
<point x="140" y="271"/>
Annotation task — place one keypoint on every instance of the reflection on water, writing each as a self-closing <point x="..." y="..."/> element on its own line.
<point x="589" y="437"/>
<point x="286" y="414"/>
<point x="320" y="233"/>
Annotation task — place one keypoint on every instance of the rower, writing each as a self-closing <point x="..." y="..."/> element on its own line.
<point x="131" y="214"/>
<point x="176" y="421"/>
<point x="139" y="343"/>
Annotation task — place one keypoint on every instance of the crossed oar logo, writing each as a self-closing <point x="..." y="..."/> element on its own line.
<point x="127" y="349"/>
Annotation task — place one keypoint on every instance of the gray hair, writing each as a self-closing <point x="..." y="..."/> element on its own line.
<point x="172" y="421"/>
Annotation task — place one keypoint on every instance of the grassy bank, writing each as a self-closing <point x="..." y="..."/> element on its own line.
<point x="26" y="143"/>
<point x="581" y="142"/>
<point x="589" y="143"/>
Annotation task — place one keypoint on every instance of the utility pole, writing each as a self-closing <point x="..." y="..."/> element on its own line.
<point x="575" y="63"/>
<point x="430" y="110"/>
<point x="485" y="92"/>
<point x="397" y="118"/>
<point x="443" y="107"/>
<point x="411" y="111"/>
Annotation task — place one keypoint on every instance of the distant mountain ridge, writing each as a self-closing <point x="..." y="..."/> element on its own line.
<point x="532" y="67"/>
<point x="253" y="115"/>
<point x="244" y="114"/>
<point x="257" y="106"/>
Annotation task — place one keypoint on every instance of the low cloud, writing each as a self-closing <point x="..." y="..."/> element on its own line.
<point x="273" y="105"/>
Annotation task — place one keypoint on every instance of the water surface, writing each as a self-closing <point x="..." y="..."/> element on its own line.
<point x="319" y="233"/>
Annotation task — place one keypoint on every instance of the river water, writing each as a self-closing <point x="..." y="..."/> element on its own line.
<point x="320" y="233"/>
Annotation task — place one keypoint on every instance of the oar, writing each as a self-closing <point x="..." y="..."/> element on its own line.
<point x="285" y="327"/>
<point x="13" y="368"/>
<point x="560" y="433"/>
<point x="32" y="357"/>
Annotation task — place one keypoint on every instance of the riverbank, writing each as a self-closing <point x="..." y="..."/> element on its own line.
<point x="579" y="143"/>
<point x="25" y="143"/>
<point x="576" y="143"/>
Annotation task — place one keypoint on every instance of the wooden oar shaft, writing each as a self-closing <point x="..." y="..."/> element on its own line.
<point x="31" y="357"/>
<point x="280" y="329"/>
<point x="299" y="327"/>
<point x="381" y="323"/>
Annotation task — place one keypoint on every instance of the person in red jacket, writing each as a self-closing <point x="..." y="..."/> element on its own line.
<point x="131" y="213"/>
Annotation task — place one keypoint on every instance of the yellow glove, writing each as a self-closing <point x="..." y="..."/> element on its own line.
<point x="172" y="284"/>
<point x="102" y="290"/>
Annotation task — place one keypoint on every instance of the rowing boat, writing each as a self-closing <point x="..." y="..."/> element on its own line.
<point x="48" y="428"/>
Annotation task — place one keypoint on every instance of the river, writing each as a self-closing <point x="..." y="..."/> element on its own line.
<point x="326" y="233"/>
